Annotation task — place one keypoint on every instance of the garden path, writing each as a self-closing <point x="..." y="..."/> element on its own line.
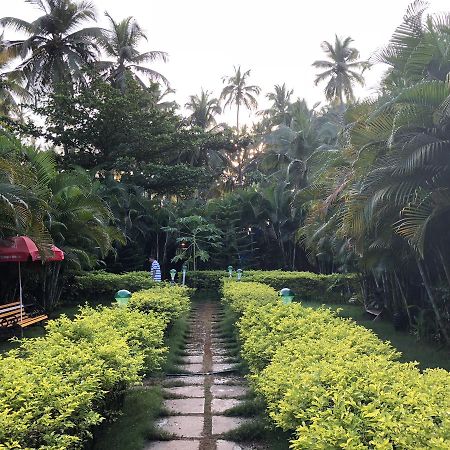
<point x="206" y="388"/>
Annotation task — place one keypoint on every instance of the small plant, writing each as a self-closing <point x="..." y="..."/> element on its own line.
<point x="196" y="237"/>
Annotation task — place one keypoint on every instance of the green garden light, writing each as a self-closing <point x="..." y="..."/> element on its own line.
<point x="173" y="272"/>
<point x="184" y="269"/>
<point x="286" y="296"/>
<point x="230" y="271"/>
<point x="122" y="297"/>
<point x="239" y="274"/>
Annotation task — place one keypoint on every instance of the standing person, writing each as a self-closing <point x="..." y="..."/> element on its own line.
<point x="155" y="270"/>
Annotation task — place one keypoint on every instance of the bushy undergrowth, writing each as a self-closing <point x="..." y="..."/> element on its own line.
<point x="54" y="389"/>
<point x="103" y="285"/>
<point x="333" y="382"/>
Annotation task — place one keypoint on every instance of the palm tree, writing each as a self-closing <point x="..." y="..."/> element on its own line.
<point x="279" y="111"/>
<point x="56" y="48"/>
<point x="341" y="70"/>
<point x="237" y="92"/>
<point x="121" y="43"/>
<point x="11" y="82"/>
<point x="204" y="108"/>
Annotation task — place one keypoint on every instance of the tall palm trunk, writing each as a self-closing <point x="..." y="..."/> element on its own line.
<point x="433" y="302"/>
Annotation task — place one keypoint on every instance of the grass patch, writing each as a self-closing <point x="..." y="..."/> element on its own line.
<point x="135" y="425"/>
<point x="259" y="430"/>
<point x="248" y="408"/>
<point x="175" y="341"/>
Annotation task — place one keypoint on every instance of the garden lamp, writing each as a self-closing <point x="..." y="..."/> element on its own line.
<point x="230" y="271"/>
<point x="239" y="274"/>
<point x="173" y="272"/>
<point x="184" y="268"/>
<point x="122" y="297"/>
<point x="286" y="296"/>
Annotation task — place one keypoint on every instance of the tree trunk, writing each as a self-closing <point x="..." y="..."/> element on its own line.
<point x="446" y="269"/>
<point x="403" y="296"/>
<point x="433" y="302"/>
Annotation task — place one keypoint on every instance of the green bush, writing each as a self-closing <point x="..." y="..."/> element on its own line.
<point x="333" y="382"/>
<point x="205" y="279"/>
<point x="307" y="286"/>
<point x="54" y="389"/>
<point x="102" y="285"/>
<point x="168" y="301"/>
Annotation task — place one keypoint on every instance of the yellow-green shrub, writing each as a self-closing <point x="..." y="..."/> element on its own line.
<point x="240" y="295"/>
<point x="55" y="388"/>
<point x="168" y="301"/>
<point x="335" y="383"/>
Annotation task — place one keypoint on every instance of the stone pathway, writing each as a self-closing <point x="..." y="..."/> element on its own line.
<point x="197" y="399"/>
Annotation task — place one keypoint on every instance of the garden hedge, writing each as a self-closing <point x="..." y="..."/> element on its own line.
<point x="54" y="389"/>
<point x="308" y="286"/>
<point x="103" y="285"/>
<point x="334" y="383"/>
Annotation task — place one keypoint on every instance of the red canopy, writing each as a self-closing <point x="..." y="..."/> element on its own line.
<point x="23" y="249"/>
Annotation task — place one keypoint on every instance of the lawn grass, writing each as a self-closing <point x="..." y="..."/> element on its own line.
<point x="428" y="355"/>
<point x="135" y="424"/>
<point x="260" y="429"/>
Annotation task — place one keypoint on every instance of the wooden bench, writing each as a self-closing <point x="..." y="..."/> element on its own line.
<point x="12" y="314"/>
<point x="374" y="312"/>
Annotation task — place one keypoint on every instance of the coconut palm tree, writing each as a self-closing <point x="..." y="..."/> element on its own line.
<point x="56" y="48"/>
<point x="204" y="107"/>
<point x="238" y="92"/>
<point x="341" y="70"/>
<point x="121" y="43"/>
<point x="279" y="111"/>
<point x="11" y="82"/>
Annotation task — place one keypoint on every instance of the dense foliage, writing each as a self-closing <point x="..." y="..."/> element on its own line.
<point x="333" y="382"/>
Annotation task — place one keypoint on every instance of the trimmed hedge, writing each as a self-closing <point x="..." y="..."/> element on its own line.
<point x="334" y="383"/>
<point x="308" y="286"/>
<point x="168" y="301"/>
<point x="54" y="389"/>
<point x="103" y="285"/>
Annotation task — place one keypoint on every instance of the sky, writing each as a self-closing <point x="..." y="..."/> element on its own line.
<point x="277" y="40"/>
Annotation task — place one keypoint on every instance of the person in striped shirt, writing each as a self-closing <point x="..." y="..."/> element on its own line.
<point x="155" y="270"/>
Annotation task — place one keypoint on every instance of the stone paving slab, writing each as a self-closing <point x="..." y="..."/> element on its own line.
<point x="174" y="445"/>
<point x="192" y="359"/>
<point x="185" y="405"/>
<point x="189" y="380"/>
<point x="224" y="391"/>
<point x="228" y="445"/>
<point x="222" y="424"/>
<point x="182" y="426"/>
<point x="220" y="405"/>
<point x="223" y="367"/>
<point x="186" y="391"/>
<point x="191" y="368"/>
<point x="219" y="351"/>
<point x="229" y="380"/>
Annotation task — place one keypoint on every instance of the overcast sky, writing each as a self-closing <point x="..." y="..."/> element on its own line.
<point x="277" y="40"/>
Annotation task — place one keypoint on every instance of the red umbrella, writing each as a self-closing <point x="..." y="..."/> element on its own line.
<point x="23" y="249"/>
